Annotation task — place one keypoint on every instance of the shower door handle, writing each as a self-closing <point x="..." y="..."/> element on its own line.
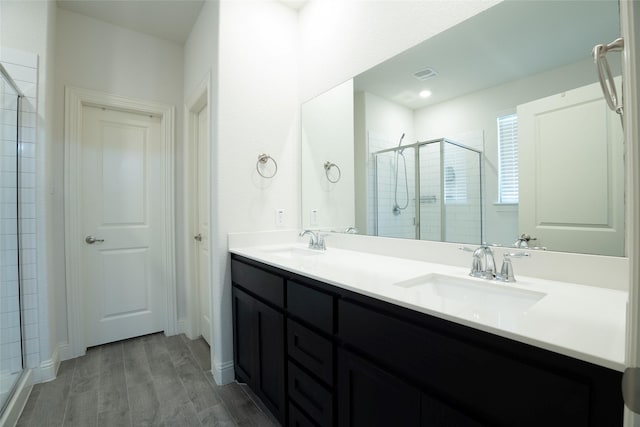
<point x="91" y="240"/>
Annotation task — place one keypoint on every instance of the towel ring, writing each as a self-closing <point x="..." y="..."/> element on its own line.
<point x="327" y="167"/>
<point x="262" y="160"/>
<point x="604" y="72"/>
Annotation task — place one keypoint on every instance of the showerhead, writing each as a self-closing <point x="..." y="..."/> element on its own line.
<point x="400" y="143"/>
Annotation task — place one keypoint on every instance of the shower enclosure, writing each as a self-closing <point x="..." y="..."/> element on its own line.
<point x="430" y="190"/>
<point x="11" y="343"/>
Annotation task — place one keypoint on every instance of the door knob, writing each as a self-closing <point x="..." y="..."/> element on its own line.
<point x="198" y="237"/>
<point x="91" y="240"/>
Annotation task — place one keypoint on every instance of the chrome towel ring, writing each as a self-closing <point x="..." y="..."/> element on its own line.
<point x="262" y="162"/>
<point x="327" y="167"/>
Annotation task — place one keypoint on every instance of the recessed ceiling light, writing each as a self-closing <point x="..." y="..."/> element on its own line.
<point x="425" y="94"/>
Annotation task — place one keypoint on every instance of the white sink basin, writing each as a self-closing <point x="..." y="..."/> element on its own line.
<point x="490" y="303"/>
<point x="293" y="252"/>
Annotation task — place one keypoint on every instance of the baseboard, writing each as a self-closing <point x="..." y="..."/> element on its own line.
<point x="48" y="368"/>
<point x="223" y="373"/>
<point x="181" y="326"/>
<point x="64" y="351"/>
<point x="19" y="398"/>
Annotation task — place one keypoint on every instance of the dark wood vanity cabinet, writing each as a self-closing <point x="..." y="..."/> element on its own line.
<point x="258" y="336"/>
<point x="319" y="356"/>
<point x="311" y="350"/>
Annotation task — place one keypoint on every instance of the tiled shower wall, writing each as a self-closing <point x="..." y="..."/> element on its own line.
<point x="458" y="219"/>
<point x="23" y="68"/>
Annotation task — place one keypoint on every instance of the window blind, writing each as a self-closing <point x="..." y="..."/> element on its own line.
<point x="508" y="158"/>
<point x="455" y="175"/>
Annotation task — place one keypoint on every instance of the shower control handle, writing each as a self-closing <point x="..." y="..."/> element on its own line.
<point x="91" y="240"/>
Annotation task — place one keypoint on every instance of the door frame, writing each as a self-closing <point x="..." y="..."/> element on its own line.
<point x="630" y="28"/>
<point x="75" y="100"/>
<point x="200" y="97"/>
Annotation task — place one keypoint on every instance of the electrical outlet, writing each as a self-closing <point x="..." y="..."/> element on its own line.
<point x="314" y="217"/>
<point x="279" y="217"/>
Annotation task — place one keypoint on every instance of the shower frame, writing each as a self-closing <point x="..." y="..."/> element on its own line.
<point x="20" y="96"/>
<point x="416" y="148"/>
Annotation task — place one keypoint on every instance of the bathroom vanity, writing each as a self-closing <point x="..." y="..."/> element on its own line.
<point x="324" y="351"/>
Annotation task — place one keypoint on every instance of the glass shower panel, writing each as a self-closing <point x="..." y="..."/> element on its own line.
<point x="11" y="352"/>
<point x="462" y="216"/>
<point x="395" y="207"/>
<point x="431" y="195"/>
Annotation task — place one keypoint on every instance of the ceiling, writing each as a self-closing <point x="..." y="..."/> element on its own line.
<point x="167" y="19"/>
<point x="507" y="42"/>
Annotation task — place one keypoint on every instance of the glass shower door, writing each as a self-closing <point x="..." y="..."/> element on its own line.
<point x="11" y="351"/>
<point x="395" y="207"/>
<point x="461" y="176"/>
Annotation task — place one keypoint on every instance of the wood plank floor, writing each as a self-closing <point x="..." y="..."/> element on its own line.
<point x="147" y="381"/>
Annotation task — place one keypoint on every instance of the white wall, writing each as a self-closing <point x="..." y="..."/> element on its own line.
<point x="23" y="69"/>
<point x="339" y="39"/>
<point x="96" y="55"/>
<point x="28" y="27"/>
<point x="200" y="63"/>
<point x="257" y="111"/>
<point x="333" y="202"/>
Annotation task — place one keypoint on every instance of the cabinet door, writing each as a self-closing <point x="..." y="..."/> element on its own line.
<point x="270" y="379"/>
<point x="369" y="396"/>
<point x="437" y="414"/>
<point x="244" y="336"/>
<point x="259" y="353"/>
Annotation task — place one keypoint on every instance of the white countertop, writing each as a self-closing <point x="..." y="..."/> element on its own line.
<point x="584" y="322"/>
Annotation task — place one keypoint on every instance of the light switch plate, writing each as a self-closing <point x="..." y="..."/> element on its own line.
<point x="280" y="217"/>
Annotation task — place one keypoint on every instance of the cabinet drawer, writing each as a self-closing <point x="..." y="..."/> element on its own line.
<point x="486" y="384"/>
<point x="312" y="397"/>
<point x="297" y="418"/>
<point x="266" y="285"/>
<point x="310" y="305"/>
<point x="311" y="350"/>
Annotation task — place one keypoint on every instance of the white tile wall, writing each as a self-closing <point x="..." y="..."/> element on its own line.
<point x="23" y="67"/>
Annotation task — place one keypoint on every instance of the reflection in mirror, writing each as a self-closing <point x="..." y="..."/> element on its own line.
<point x="490" y="130"/>
<point x="327" y="137"/>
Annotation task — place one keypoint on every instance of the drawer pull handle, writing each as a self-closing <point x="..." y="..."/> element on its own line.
<point x="306" y="396"/>
<point x="296" y="343"/>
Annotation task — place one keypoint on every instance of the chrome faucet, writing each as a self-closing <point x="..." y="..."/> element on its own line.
<point x="484" y="263"/>
<point x="506" y="272"/>
<point x="316" y="240"/>
<point x="523" y="241"/>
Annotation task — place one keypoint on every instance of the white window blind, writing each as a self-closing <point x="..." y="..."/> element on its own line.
<point x="508" y="158"/>
<point x="455" y="175"/>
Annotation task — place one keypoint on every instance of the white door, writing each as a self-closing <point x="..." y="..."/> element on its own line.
<point x="202" y="213"/>
<point x="120" y="207"/>
<point x="572" y="173"/>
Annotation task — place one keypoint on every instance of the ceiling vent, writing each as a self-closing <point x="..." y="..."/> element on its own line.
<point x="425" y="74"/>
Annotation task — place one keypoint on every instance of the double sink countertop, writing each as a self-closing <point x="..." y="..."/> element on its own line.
<point x="584" y="322"/>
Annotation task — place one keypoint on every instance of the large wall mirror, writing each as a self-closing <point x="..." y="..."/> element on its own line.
<point x="491" y="130"/>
